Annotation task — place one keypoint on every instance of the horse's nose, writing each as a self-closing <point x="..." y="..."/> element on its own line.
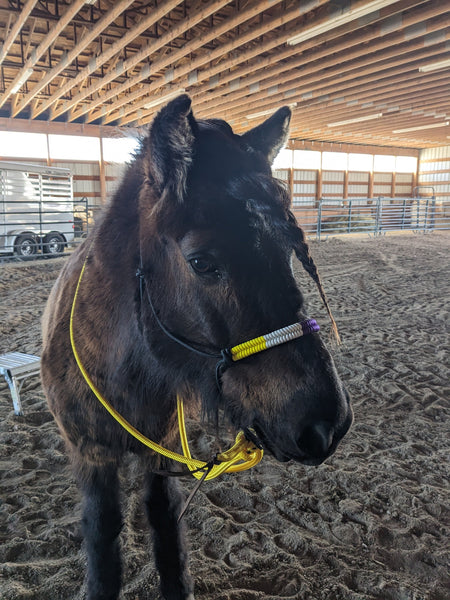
<point x="316" y="439"/>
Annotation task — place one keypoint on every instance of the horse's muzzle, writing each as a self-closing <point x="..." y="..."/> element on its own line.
<point x="315" y="442"/>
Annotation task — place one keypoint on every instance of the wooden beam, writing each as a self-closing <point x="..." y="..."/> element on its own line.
<point x="231" y="63"/>
<point x="341" y="52"/>
<point x="202" y="13"/>
<point x="366" y="69"/>
<point x="192" y="65"/>
<point x="67" y="59"/>
<point x="23" y="16"/>
<point x="37" y="126"/>
<point x="433" y="106"/>
<point x="319" y="49"/>
<point x="240" y="98"/>
<point x="37" y="53"/>
<point x="222" y="50"/>
<point x="291" y="82"/>
<point x="316" y="115"/>
<point x="135" y="32"/>
<point x="30" y="37"/>
<point x="102" y="174"/>
<point x="354" y="148"/>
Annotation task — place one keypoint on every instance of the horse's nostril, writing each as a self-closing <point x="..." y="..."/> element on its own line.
<point x="316" y="439"/>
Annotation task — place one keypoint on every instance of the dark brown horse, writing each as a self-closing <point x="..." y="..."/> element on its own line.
<point x="201" y="220"/>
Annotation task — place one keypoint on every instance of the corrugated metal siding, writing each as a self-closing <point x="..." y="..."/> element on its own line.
<point x="406" y="178"/>
<point x="333" y="176"/>
<point x="304" y="192"/>
<point x="435" y="165"/>
<point x="382" y="190"/>
<point x="403" y="190"/>
<point x="358" y="190"/>
<point x="309" y="175"/>
<point x="333" y="191"/>
<point x="305" y="188"/>
<point x="356" y="184"/>
<point x="358" y="177"/>
<point x="434" y="172"/>
<point x="434" y="153"/>
<point x="113" y="174"/>
<point x="382" y="178"/>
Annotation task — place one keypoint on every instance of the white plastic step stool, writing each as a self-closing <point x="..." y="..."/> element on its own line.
<point x="16" y="367"/>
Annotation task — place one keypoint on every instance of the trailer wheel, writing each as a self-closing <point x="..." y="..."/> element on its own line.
<point x="54" y="243"/>
<point x="26" y="245"/>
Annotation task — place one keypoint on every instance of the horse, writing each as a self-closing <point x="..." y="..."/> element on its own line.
<point x="192" y="255"/>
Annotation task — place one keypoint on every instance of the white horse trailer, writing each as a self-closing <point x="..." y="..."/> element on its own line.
<point x="36" y="209"/>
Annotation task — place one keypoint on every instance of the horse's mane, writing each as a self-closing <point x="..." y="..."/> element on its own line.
<point x="279" y="217"/>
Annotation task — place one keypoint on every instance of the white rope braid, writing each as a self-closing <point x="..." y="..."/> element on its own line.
<point x="275" y="338"/>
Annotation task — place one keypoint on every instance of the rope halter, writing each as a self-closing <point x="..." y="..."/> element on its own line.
<point x="275" y="338"/>
<point x="245" y="453"/>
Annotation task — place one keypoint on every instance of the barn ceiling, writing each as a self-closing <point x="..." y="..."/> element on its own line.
<point x="373" y="72"/>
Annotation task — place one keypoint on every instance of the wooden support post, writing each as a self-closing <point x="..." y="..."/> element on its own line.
<point x="291" y="184"/>
<point x="49" y="160"/>
<point x="102" y="174"/>
<point x="370" y="187"/>
<point x="345" y="190"/>
<point x="318" y="186"/>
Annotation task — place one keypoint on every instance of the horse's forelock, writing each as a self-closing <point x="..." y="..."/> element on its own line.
<point x="218" y="125"/>
<point x="265" y="199"/>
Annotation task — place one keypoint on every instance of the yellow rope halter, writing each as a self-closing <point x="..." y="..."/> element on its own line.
<point x="240" y="457"/>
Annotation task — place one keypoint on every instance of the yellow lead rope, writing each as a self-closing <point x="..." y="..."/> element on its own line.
<point x="242" y="456"/>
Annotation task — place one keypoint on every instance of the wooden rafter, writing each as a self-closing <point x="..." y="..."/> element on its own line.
<point x="302" y="84"/>
<point x="214" y="33"/>
<point x="27" y="68"/>
<point x="143" y="25"/>
<point x="223" y="50"/>
<point x="67" y="59"/>
<point x="115" y="63"/>
<point x="13" y="33"/>
<point x="203" y="12"/>
<point x="252" y="53"/>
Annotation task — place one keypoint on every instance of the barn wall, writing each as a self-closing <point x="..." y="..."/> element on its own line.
<point x="434" y="171"/>
<point x="308" y="186"/>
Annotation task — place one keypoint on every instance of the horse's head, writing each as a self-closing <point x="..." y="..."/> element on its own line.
<point x="217" y="240"/>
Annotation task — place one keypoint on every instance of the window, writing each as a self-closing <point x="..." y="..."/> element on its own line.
<point x="119" y="150"/>
<point x="283" y="160"/>
<point x="306" y="159"/>
<point x="406" y="164"/>
<point x="74" y="147"/>
<point x="360" y="162"/>
<point x="16" y="144"/>
<point x="384" y="163"/>
<point x="334" y="161"/>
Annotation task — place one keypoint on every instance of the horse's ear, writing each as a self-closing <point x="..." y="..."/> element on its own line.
<point x="269" y="137"/>
<point x="169" y="146"/>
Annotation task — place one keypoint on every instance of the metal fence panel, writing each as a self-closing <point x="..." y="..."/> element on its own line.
<point x="374" y="216"/>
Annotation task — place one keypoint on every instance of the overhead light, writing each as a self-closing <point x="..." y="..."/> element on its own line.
<point x="347" y="14"/>
<point x="269" y="111"/>
<point x="420" y="127"/>
<point x="440" y="64"/>
<point x="23" y="78"/>
<point x="165" y="98"/>
<point x="91" y="2"/>
<point x="356" y="120"/>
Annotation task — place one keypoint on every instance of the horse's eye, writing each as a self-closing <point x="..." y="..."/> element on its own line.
<point x="203" y="266"/>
